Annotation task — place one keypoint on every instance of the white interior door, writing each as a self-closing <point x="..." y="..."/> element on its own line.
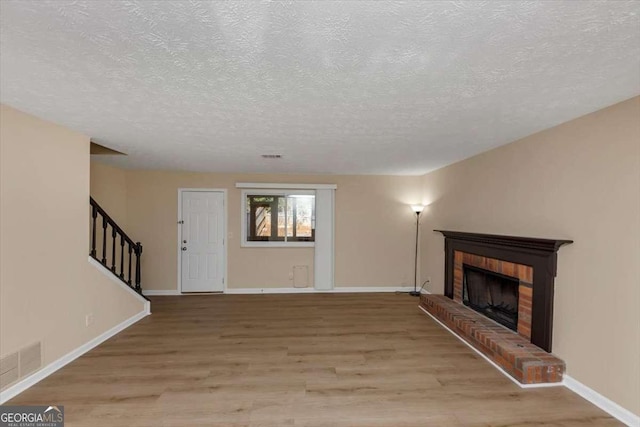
<point x="202" y="241"/>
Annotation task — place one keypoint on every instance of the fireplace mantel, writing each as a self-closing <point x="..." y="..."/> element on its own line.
<point x="541" y="254"/>
<point x="516" y="242"/>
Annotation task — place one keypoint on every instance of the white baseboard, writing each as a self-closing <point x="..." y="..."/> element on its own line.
<point x="607" y="405"/>
<point x="155" y="293"/>
<point x="251" y="291"/>
<point x="52" y="367"/>
<point x="351" y="289"/>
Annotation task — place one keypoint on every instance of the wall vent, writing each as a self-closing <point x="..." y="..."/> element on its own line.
<point x="20" y="364"/>
<point x="300" y="276"/>
<point x="30" y="359"/>
<point x="9" y="372"/>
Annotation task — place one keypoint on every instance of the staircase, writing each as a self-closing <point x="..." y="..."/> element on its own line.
<point x="118" y="252"/>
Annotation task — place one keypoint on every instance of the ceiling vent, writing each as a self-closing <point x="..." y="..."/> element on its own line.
<point x="272" y="156"/>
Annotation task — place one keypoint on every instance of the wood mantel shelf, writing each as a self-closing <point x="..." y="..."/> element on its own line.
<point x="531" y="243"/>
<point x="541" y="254"/>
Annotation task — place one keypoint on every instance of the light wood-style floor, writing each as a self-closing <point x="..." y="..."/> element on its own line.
<point x="296" y="360"/>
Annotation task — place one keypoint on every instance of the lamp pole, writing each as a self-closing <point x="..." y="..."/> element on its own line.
<point x="417" y="209"/>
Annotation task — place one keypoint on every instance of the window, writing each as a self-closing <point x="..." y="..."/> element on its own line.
<point x="278" y="219"/>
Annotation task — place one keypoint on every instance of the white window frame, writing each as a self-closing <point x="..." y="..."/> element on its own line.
<point x="273" y="192"/>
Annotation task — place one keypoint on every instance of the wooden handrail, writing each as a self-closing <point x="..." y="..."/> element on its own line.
<point x="110" y="221"/>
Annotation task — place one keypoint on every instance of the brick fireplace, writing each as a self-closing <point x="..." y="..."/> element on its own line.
<point x="499" y="298"/>
<point x="522" y="273"/>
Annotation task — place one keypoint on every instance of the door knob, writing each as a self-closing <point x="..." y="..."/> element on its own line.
<point x="184" y="248"/>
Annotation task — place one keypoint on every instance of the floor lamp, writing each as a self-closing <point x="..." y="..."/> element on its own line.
<point x="417" y="209"/>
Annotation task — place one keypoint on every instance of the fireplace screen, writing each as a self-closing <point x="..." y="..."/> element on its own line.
<point x="492" y="294"/>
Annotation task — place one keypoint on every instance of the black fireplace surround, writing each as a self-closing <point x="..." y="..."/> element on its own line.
<point x="541" y="254"/>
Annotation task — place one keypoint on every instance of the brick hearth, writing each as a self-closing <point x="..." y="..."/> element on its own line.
<point x="514" y="353"/>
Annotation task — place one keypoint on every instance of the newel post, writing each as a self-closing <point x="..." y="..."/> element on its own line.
<point x="94" y="216"/>
<point x="138" y="251"/>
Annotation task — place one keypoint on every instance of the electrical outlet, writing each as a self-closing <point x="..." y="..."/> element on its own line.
<point x="88" y="320"/>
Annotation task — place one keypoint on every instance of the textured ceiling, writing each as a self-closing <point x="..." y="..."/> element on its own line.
<point x="335" y="87"/>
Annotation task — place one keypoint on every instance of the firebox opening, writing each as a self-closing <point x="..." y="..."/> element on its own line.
<point x="491" y="294"/>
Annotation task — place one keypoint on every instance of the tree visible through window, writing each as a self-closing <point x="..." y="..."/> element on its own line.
<point x="280" y="218"/>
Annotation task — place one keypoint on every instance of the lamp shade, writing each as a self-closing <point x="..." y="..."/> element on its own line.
<point x="417" y="208"/>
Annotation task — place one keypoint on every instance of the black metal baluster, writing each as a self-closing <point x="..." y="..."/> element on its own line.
<point x="94" y="216"/>
<point x="121" y="257"/>
<point x="104" y="241"/>
<point x="113" y="249"/>
<point x="129" y="275"/>
<point x="138" y="254"/>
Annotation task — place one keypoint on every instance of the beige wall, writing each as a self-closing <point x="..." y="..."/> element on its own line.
<point x="373" y="222"/>
<point x="47" y="286"/>
<point x="579" y="181"/>
<point x="108" y="186"/>
<point x="109" y="189"/>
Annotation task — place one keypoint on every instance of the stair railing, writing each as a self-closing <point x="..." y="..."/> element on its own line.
<point x="118" y="238"/>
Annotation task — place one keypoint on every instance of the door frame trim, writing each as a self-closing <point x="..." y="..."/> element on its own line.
<point x="224" y="233"/>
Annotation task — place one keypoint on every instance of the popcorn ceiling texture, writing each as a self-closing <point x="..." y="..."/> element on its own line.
<point x="336" y="87"/>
